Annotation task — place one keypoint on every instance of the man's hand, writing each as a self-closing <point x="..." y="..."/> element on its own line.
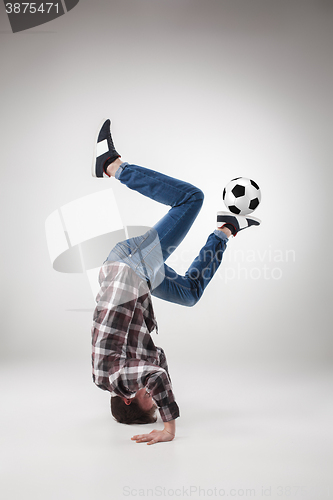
<point x="155" y="436"/>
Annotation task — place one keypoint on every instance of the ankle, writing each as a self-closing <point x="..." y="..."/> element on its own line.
<point x="113" y="167"/>
<point x="226" y="231"/>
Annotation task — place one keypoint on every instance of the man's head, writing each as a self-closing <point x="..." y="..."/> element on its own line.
<point x="138" y="410"/>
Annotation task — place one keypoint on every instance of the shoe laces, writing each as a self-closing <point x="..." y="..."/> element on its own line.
<point x="110" y="141"/>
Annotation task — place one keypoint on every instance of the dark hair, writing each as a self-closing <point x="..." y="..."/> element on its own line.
<point x="132" y="413"/>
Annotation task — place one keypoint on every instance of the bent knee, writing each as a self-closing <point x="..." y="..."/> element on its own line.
<point x="197" y="196"/>
<point x="190" y="301"/>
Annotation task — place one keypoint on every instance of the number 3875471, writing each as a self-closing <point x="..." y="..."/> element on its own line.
<point x="31" y="8"/>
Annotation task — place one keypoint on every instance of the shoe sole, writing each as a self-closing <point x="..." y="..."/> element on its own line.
<point x="93" y="167"/>
<point x="249" y="216"/>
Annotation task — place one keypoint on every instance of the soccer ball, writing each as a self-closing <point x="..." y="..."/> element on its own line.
<point x="241" y="196"/>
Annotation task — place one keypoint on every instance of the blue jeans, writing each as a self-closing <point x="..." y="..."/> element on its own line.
<point x="147" y="254"/>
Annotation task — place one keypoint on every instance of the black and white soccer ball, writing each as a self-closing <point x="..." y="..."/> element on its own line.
<point x="241" y="196"/>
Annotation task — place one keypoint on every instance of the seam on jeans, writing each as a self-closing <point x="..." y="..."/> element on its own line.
<point x="176" y="222"/>
<point x="178" y="189"/>
<point x="178" y="284"/>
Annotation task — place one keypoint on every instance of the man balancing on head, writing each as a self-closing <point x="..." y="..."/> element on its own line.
<point x="125" y="360"/>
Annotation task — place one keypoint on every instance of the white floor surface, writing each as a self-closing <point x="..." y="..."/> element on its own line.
<point x="250" y="432"/>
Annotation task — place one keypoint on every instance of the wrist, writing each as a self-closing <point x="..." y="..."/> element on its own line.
<point x="170" y="427"/>
<point x="171" y="433"/>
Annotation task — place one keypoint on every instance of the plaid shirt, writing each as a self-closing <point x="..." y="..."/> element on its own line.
<point x="124" y="356"/>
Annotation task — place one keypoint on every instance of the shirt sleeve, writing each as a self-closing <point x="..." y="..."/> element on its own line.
<point x="159" y="386"/>
<point x="164" y="365"/>
<point x="139" y="374"/>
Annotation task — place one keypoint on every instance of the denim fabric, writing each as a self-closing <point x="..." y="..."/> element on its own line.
<point x="147" y="254"/>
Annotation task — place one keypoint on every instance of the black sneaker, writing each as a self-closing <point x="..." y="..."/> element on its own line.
<point x="238" y="222"/>
<point x="105" y="152"/>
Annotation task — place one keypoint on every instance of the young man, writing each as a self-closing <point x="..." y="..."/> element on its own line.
<point x="125" y="360"/>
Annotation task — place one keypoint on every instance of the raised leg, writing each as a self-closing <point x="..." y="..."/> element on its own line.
<point x="188" y="289"/>
<point x="184" y="199"/>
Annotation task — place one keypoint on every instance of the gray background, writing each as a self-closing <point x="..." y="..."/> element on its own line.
<point x="205" y="91"/>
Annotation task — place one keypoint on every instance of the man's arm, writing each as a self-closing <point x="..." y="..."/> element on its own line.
<point x="137" y="373"/>
<point x="160" y="387"/>
<point x="157" y="436"/>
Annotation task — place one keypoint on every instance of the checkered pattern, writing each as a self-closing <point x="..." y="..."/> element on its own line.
<point x="124" y="356"/>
